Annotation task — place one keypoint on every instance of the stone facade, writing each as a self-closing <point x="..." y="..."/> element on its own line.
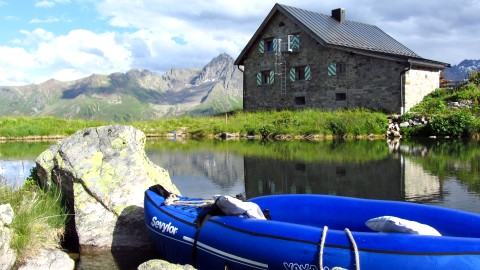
<point x="365" y="80"/>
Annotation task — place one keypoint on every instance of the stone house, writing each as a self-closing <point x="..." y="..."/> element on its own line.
<point x="303" y="59"/>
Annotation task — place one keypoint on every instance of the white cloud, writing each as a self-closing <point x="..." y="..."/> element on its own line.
<point x="32" y="38"/>
<point x="75" y="55"/>
<point x="45" y="3"/>
<point x="178" y="34"/>
<point x="14" y="65"/>
<point x="47" y="20"/>
<point x="50" y="3"/>
<point x="85" y="51"/>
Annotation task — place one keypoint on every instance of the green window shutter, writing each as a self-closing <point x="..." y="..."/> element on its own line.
<point x="259" y="78"/>
<point x="261" y="46"/>
<point x="275" y="44"/>
<point x="332" y="69"/>
<point x="307" y="73"/>
<point x="293" y="42"/>
<point x="272" y="77"/>
<point x="292" y="74"/>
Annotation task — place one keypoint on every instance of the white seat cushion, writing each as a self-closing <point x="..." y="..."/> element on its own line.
<point x="395" y="224"/>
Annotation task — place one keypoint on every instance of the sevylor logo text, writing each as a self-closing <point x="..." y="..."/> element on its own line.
<point x="164" y="227"/>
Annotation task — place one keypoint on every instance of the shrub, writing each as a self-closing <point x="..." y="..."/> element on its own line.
<point x="416" y="131"/>
<point x="474" y="77"/>
<point x="438" y="93"/>
<point x="457" y="124"/>
<point x="430" y="106"/>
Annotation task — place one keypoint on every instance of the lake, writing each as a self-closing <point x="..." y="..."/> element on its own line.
<point x="437" y="172"/>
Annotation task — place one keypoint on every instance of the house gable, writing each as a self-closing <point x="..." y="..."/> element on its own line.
<point x="348" y="35"/>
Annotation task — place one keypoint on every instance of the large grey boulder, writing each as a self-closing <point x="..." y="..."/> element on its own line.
<point x="7" y="254"/>
<point x="103" y="173"/>
<point x="49" y="259"/>
<point x="163" y="265"/>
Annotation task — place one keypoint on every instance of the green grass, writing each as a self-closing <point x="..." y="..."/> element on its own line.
<point x="39" y="218"/>
<point x="348" y="123"/>
<point x="24" y="126"/>
<point x="445" y="120"/>
<point x="270" y="123"/>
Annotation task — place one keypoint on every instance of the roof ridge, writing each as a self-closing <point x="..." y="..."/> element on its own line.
<point x="323" y="14"/>
<point x="348" y="34"/>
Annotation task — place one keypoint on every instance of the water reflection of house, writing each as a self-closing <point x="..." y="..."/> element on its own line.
<point x="368" y="180"/>
<point x="394" y="178"/>
<point x="419" y="184"/>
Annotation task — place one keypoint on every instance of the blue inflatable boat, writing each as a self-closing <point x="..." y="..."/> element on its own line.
<point x="313" y="232"/>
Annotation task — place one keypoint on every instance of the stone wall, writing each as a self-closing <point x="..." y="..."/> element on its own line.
<point x="369" y="82"/>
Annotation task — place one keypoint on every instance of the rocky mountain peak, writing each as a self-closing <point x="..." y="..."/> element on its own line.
<point x="178" y="78"/>
<point x="145" y="79"/>
<point x="220" y="68"/>
<point x="460" y="71"/>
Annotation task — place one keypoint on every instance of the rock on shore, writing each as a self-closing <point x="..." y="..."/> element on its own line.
<point x="103" y="173"/>
<point x="163" y="265"/>
<point x="7" y="254"/>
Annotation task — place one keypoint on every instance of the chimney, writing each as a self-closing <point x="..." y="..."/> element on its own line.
<point x="339" y="14"/>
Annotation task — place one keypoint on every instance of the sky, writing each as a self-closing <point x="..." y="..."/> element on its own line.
<point x="71" y="39"/>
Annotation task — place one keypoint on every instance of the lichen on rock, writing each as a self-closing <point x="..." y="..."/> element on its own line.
<point x="102" y="172"/>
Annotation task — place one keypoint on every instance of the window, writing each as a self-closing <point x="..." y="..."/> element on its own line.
<point x="340" y="96"/>
<point x="341" y="68"/>
<point x="299" y="100"/>
<point x="281" y="24"/>
<point x="269" y="45"/>
<point x="301" y="73"/>
<point x="265" y="77"/>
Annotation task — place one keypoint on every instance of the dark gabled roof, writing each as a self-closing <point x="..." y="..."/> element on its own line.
<point x="354" y="36"/>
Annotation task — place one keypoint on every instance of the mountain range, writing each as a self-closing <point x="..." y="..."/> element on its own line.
<point x="144" y="95"/>
<point x="132" y="96"/>
<point x="460" y="71"/>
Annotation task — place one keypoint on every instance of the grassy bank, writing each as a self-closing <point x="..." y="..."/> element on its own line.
<point x="452" y="111"/>
<point x="24" y="126"/>
<point x="296" y="123"/>
<point x="39" y="218"/>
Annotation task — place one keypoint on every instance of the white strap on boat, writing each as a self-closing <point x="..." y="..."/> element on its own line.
<point x="173" y="199"/>
<point x="198" y="203"/>
<point x="352" y="240"/>
<point x="322" y="244"/>
<point x="355" y="249"/>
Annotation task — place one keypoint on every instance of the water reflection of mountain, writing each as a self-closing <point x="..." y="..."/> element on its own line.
<point x="222" y="168"/>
